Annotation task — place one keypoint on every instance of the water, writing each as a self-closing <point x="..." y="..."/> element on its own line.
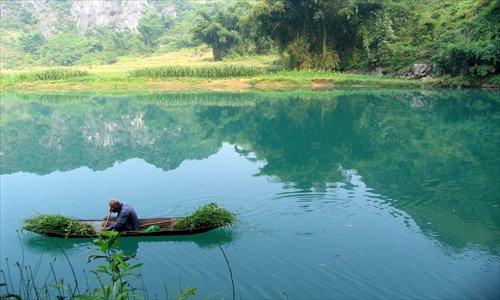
<point x="354" y="194"/>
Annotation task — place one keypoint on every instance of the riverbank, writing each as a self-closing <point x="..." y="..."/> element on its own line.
<point x="184" y="70"/>
<point x="269" y="81"/>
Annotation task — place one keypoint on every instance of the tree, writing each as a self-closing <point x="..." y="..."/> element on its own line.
<point x="31" y="41"/>
<point x="221" y="37"/>
<point x="152" y="26"/>
<point x="64" y="49"/>
<point x="218" y="37"/>
<point x="219" y="31"/>
<point x="321" y="28"/>
<point x="27" y="17"/>
<point x="378" y="37"/>
<point x="472" y="49"/>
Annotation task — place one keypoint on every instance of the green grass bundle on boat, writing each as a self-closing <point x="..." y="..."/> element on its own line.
<point x="208" y="215"/>
<point x="43" y="224"/>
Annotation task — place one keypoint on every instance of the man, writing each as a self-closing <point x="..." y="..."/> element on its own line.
<point x="126" y="220"/>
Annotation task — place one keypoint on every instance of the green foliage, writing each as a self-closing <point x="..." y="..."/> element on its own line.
<point x="456" y="37"/>
<point x="119" y="41"/>
<point x="220" y="36"/>
<point x="31" y="41"/>
<point x="314" y="34"/>
<point x="115" y="277"/>
<point x="43" y="224"/>
<point x="228" y="31"/>
<point x="298" y="54"/>
<point x="221" y="71"/>
<point x="152" y="26"/>
<point x="459" y="37"/>
<point x="27" y="17"/>
<point x="328" y="60"/>
<point x="470" y="58"/>
<point x="300" y="57"/>
<point x="209" y="215"/>
<point x="116" y="271"/>
<point x="378" y="40"/>
<point x="63" y="49"/>
<point x="52" y="74"/>
<point x="104" y="45"/>
<point x="15" y="15"/>
<point x="482" y="70"/>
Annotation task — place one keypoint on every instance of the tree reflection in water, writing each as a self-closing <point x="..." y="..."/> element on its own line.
<point x="435" y="152"/>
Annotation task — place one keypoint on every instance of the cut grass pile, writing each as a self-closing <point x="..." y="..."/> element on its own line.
<point x="208" y="215"/>
<point x="43" y="224"/>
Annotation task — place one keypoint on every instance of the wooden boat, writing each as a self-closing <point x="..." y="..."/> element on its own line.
<point x="163" y="223"/>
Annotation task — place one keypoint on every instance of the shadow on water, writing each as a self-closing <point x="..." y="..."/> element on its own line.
<point x="129" y="245"/>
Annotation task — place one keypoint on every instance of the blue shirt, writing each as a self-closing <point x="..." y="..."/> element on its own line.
<point x="126" y="220"/>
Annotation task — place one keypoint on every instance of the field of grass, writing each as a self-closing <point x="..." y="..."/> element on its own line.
<point x="190" y="69"/>
<point x="196" y="57"/>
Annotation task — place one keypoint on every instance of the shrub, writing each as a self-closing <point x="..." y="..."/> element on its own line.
<point x="64" y="49"/>
<point x="298" y="54"/>
<point x="31" y="41"/>
<point x="327" y="61"/>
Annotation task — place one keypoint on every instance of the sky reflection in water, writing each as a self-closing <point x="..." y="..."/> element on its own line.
<point x="353" y="194"/>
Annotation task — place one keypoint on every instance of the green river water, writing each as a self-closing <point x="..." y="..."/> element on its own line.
<point x="345" y="194"/>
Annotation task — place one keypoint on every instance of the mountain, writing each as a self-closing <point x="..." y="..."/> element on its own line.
<point x="52" y="16"/>
<point x="69" y="32"/>
<point x="457" y="38"/>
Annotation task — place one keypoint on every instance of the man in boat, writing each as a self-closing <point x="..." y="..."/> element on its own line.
<point x="126" y="220"/>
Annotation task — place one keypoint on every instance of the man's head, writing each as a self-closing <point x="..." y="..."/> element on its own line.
<point x="114" y="205"/>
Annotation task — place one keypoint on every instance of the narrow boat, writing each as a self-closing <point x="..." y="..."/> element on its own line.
<point x="163" y="223"/>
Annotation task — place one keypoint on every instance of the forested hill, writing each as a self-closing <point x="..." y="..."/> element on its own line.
<point x="451" y="37"/>
<point x="73" y="32"/>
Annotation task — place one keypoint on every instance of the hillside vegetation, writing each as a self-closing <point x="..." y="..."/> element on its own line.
<point x="456" y="40"/>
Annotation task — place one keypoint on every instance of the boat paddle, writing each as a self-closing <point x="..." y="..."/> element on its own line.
<point x="107" y="220"/>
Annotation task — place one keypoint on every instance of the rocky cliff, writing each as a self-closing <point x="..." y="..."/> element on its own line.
<point x="51" y="15"/>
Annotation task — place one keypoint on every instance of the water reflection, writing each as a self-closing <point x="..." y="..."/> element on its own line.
<point x="434" y="153"/>
<point x="56" y="246"/>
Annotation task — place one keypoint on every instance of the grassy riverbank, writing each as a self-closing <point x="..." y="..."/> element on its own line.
<point x="186" y="70"/>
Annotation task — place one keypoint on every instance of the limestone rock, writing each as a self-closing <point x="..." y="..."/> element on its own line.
<point x="85" y="14"/>
<point x="378" y="72"/>
<point x="421" y="70"/>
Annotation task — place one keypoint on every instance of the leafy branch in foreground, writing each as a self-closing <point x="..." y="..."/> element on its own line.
<point x="115" y="278"/>
<point x="117" y="270"/>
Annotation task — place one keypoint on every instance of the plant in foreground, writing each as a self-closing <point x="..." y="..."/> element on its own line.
<point x="117" y="270"/>
<point x="115" y="278"/>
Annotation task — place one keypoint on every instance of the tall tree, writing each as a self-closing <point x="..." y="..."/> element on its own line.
<point x="321" y="28"/>
<point x="31" y="41"/>
<point x="152" y="26"/>
<point x="221" y="30"/>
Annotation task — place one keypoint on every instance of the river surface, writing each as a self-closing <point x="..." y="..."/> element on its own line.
<point x="346" y="194"/>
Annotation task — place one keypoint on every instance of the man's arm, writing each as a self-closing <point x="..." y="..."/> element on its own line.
<point x="120" y="221"/>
